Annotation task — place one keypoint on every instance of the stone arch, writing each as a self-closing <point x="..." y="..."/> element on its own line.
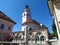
<point x="37" y="37"/>
<point x="19" y="36"/>
<point x="29" y="28"/>
<point x="32" y="36"/>
<point x="39" y="33"/>
<point x="42" y="38"/>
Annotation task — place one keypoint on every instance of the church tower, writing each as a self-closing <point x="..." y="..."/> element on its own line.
<point x="28" y="21"/>
<point x="25" y="16"/>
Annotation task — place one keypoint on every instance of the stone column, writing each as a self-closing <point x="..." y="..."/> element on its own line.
<point x="26" y="35"/>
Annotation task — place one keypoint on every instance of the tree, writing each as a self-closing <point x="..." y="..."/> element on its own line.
<point x="54" y="30"/>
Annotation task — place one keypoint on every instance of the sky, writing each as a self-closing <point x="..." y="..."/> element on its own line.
<point x="39" y="12"/>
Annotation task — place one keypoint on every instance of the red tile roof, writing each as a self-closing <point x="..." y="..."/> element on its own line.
<point x="5" y="17"/>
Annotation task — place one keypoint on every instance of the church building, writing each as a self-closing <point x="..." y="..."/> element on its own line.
<point x="33" y="33"/>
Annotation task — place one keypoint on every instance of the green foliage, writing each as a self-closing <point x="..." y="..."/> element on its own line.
<point x="54" y="30"/>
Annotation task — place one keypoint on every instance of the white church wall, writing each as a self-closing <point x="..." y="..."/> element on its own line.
<point x="24" y="17"/>
<point x="34" y="26"/>
<point x="45" y="34"/>
<point x="23" y="28"/>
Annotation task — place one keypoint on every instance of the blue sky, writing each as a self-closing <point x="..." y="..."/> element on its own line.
<point x="39" y="11"/>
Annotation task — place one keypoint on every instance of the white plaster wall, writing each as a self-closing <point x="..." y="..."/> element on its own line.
<point x="45" y="33"/>
<point x="32" y="26"/>
<point x="55" y="42"/>
<point x="23" y="28"/>
<point x="6" y="25"/>
<point x="57" y="18"/>
<point x="24" y="17"/>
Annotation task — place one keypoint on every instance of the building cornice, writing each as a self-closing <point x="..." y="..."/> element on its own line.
<point x="50" y="6"/>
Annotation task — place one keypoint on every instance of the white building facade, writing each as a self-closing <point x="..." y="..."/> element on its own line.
<point x="54" y="6"/>
<point x="33" y="33"/>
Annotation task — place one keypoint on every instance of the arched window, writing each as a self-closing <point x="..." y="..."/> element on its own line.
<point x="30" y="33"/>
<point x="37" y="37"/>
<point x="30" y="29"/>
<point x="42" y="38"/>
<point x="24" y="14"/>
<point x="19" y="37"/>
<point x="23" y="33"/>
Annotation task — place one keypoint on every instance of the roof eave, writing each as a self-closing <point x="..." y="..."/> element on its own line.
<point x="50" y="6"/>
<point x="9" y="21"/>
<point x="14" y="22"/>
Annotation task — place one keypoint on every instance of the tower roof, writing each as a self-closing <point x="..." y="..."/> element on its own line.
<point x="5" y="17"/>
<point x="27" y="6"/>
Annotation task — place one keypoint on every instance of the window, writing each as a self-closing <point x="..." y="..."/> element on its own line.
<point x="37" y="37"/>
<point x="30" y="33"/>
<point x="42" y="38"/>
<point x="1" y="26"/>
<point x="30" y="29"/>
<point x="23" y="33"/>
<point x="19" y="37"/>
<point x="24" y="14"/>
<point x="0" y="37"/>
